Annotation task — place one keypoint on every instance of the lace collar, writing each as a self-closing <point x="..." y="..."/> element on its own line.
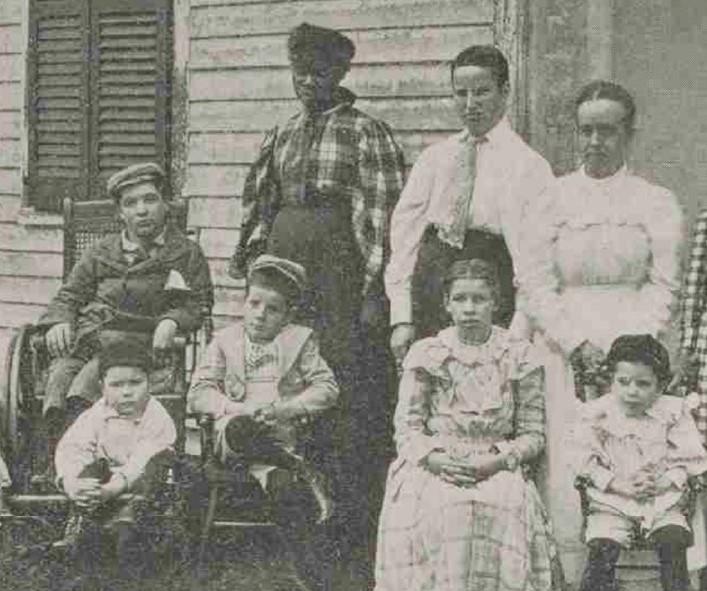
<point x="449" y="345"/>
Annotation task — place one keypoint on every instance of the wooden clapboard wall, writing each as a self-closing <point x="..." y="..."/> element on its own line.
<point x="239" y="86"/>
<point x="30" y="258"/>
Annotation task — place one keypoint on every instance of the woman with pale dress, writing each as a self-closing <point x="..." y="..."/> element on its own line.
<point x="459" y="512"/>
<point x="605" y="245"/>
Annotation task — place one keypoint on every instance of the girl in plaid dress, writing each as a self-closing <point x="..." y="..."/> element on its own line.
<point x="459" y="513"/>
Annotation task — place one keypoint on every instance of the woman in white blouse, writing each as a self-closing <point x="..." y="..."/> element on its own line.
<point x="606" y="248"/>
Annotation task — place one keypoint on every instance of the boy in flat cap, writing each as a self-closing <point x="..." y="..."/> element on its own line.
<point x="261" y="379"/>
<point x="320" y="194"/>
<point x="148" y="279"/>
<point x="122" y="444"/>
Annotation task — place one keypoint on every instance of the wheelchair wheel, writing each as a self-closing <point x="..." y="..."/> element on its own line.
<point x="16" y="407"/>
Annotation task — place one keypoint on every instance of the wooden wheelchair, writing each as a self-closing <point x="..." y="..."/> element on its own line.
<point x="36" y="517"/>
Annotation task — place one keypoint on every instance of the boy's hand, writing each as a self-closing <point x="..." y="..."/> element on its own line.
<point x="265" y="416"/>
<point x="81" y="491"/>
<point x="663" y="484"/>
<point x="640" y="486"/>
<point x="163" y="339"/>
<point x="59" y="339"/>
<point x="116" y="486"/>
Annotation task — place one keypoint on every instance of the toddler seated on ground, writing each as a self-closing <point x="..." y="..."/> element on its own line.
<point x="635" y="449"/>
<point x="122" y="444"/>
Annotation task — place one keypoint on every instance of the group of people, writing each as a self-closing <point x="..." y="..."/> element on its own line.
<point x="516" y="322"/>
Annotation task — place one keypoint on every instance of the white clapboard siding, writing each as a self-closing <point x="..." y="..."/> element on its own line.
<point x="376" y="81"/>
<point x="11" y="96"/>
<point x="11" y="66"/>
<point x="10" y="153"/>
<point x="212" y="19"/>
<point x="17" y="314"/>
<point x="239" y="86"/>
<point x="10" y="180"/>
<point x="30" y="290"/>
<point x="212" y="148"/>
<point x="376" y="46"/>
<point x="9" y="207"/>
<point x="30" y="264"/>
<point x="10" y="123"/>
<point x="418" y="113"/>
<point x="20" y="238"/>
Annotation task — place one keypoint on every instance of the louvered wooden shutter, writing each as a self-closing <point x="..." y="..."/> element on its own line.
<point x="99" y="94"/>
<point x="58" y="95"/>
<point x="130" y="85"/>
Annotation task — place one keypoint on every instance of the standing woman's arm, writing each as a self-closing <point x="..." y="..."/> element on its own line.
<point x="693" y="292"/>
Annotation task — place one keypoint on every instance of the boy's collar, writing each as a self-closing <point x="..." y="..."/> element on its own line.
<point x="110" y="412"/>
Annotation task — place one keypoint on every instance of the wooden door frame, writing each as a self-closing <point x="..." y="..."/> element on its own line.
<point x="511" y="34"/>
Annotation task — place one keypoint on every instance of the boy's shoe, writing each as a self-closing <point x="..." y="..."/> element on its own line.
<point x="318" y="484"/>
<point x="72" y="532"/>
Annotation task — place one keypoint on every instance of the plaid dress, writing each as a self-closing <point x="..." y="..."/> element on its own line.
<point x="493" y="536"/>
<point x="694" y="321"/>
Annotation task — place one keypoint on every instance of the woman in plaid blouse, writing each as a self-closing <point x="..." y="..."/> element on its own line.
<point x="320" y="194"/>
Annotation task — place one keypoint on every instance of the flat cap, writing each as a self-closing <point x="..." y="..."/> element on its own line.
<point x="281" y="275"/>
<point x="134" y="175"/>
<point x="309" y="41"/>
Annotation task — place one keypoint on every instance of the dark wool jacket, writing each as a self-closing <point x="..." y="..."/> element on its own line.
<point x="105" y="291"/>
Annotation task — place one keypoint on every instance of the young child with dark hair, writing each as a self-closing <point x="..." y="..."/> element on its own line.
<point x="636" y="448"/>
<point x="121" y="444"/>
<point x="261" y="378"/>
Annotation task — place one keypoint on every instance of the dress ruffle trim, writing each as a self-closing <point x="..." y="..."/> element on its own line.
<point x="617" y="201"/>
<point x="432" y="353"/>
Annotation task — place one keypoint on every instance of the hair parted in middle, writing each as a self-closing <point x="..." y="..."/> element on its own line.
<point x="611" y="91"/>
<point x="473" y="269"/>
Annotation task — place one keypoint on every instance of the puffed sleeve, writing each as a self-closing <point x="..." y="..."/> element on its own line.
<point x="381" y="174"/>
<point x="528" y="383"/>
<point x="686" y="456"/>
<point x="584" y="438"/>
<point x="540" y="287"/>
<point x="413" y="441"/>
<point x="656" y="298"/>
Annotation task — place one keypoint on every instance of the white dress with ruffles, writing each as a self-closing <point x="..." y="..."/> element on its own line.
<point x="605" y="262"/>
<point x="494" y="536"/>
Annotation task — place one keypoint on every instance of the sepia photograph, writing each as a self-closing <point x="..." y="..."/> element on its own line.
<point x="353" y="295"/>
